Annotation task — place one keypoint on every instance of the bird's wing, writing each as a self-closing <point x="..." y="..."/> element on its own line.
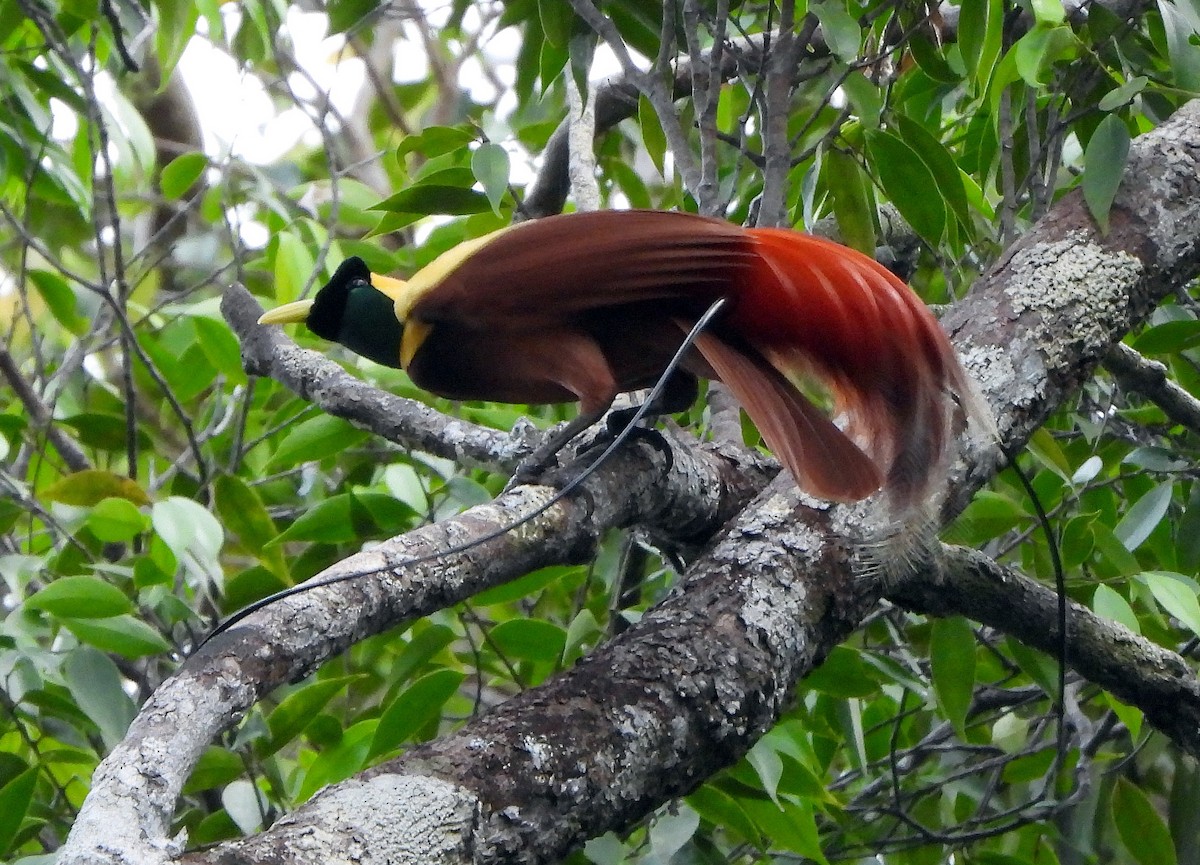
<point x="554" y="269"/>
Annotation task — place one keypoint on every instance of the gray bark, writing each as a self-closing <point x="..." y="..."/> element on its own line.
<point x="687" y="690"/>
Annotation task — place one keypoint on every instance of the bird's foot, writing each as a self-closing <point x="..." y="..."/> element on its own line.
<point x="619" y="425"/>
<point x="542" y="467"/>
<point x="533" y="468"/>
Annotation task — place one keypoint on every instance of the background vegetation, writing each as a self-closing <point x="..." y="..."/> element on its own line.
<point x="150" y="486"/>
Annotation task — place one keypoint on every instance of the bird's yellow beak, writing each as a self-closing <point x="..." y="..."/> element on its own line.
<point x="288" y="313"/>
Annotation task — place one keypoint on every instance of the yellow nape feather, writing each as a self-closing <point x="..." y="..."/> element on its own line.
<point x="429" y="277"/>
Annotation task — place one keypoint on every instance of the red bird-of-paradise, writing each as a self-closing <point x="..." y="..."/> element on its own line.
<point x="589" y="305"/>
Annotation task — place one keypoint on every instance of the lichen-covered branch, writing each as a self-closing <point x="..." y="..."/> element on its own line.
<point x="1133" y="669"/>
<point x="693" y="685"/>
<point x="267" y="352"/>
<point x="1149" y="378"/>
<point x="682" y="497"/>
<point x="690" y="688"/>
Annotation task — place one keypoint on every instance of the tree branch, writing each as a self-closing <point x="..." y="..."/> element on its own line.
<point x="704" y="674"/>
<point x="1133" y="669"/>
<point x="1149" y="378"/>
<point x="70" y="451"/>
<point x="267" y="352"/>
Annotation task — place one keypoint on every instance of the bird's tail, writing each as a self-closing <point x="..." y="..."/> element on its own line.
<point x="815" y="309"/>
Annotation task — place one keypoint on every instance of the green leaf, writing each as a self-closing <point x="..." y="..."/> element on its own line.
<point x="341" y="761"/>
<point x="83" y="597"/>
<point x="192" y="533"/>
<point x="558" y="20"/>
<point x="931" y="60"/>
<point x="1048" y="11"/>
<point x="59" y="299"/>
<point x="671" y="831"/>
<point x="1087" y="471"/>
<point x="952" y="663"/>
<point x="989" y="515"/>
<point x="1078" y="541"/>
<point x="1157" y="459"/>
<point x="980" y="24"/>
<point x="15" y="798"/>
<point x="843" y="674"/>
<point x="583" y="629"/>
<point x="220" y="347"/>
<point x="524" y="586"/>
<point x="180" y="173"/>
<point x="296" y="711"/>
<point x="1113" y="552"/>
<point x="244" y="804"/>
<point x="1187" y="532"/>
<point x="95" y="683"/>
<point x="293" y="266"/>
<point x="629" y="182"/>
<point x="1110" y="604"/>
<point x="435" y="141"/>
<point x="1124" y="94"/>
<point x="245" y="587"/>
<point x="315" y="439"/>
<point x="104" y="431"/>
<point x="388" y="514"/>
<point x="721" y="809"/>
<point x="940" y="164"/>
<point x="113" y="520"/>
<point x="768" y="766"/>
<point x="653" y="137"/>
<point x="529" y="639"/>
<point x="1037" y="665"/>
<point x="329" y="522"/>
<point x="124" y="635"/>
<point x="243" y="513"/>
<point x="1145" y="515"/>
<point x="1142" y="831"/>
<point x="1044" y="446"/>
<point x="1039" y="49"/>
<point x="1181" y="23"/>
<point x="551" y="61"/>
<point x="348" y="517"/>
<point x="216" y="768"/>
<point x="581" y="50"/>
<point x="1103" y="167"/>
<point x="489" y="163"/>
<point x="347" y="14"/>
<point x="852" y="203"/>
<point x="1168" y="337"/>
<point x="416" y="706"/>
<point x="91" y="486"/>
<point x="606" y="850"/>
<point x="790" y="825"/>
<point x="865" y="98"/>
<point x="1131" y="717"/>
<point x="427" y="199"/>
<point x="1176" y="594"/>
<point x="841" y="30"/>
<point x="423" y="646"/>
<point x="907" y="181"/>
<point x="176" y="25"/>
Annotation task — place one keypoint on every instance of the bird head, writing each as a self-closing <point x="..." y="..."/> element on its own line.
<point x="357" y="309"/>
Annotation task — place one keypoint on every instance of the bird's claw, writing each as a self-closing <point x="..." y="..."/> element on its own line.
<point x="532" y="469"/>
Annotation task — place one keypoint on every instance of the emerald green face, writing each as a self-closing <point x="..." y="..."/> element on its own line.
<point x="348" y="310"/>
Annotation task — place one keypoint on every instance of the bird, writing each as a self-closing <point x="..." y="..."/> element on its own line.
<point x="849" y="378"/>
